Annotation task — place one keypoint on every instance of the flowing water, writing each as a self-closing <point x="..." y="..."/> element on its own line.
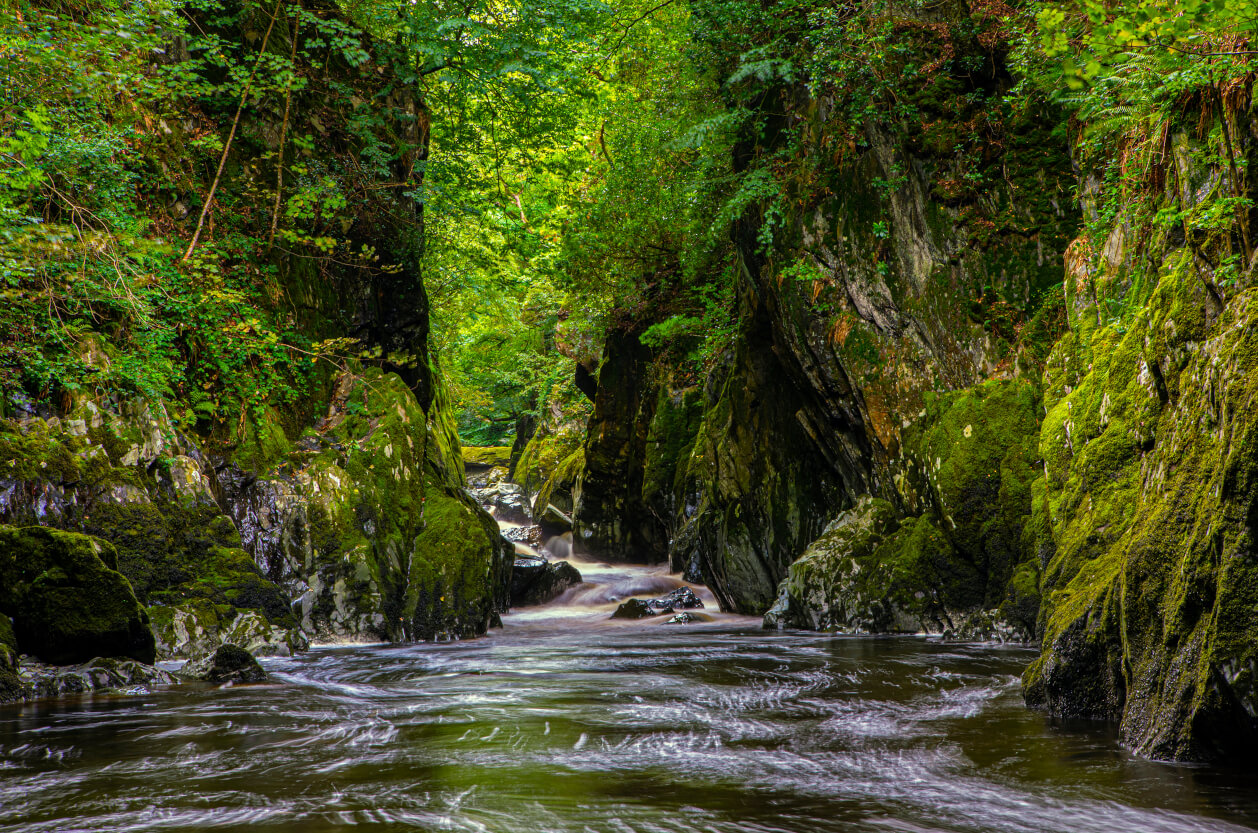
<point x="564" y="721"/>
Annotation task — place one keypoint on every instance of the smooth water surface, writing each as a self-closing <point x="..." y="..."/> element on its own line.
<point x="564" y="722"/>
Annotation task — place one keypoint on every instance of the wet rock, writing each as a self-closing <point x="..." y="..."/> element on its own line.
<point x="528" y="535"/>
<point x="67" y="601"/>
<point x="478" y="478"/>
<point x="638" y="609"/>
<point x="228" y="664"/>
<point x="683" y="598"/>
<point x="102" y="674"/>
<point x="553" y="522"/>
<point x="536" y="581"/>
<point x="12" y="686"/>
<point x="683" y="618"/>
<point x="195" y="628"/>
<point x="506" y="501"/>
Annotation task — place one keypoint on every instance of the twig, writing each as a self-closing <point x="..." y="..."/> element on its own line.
<point x="227" y="146"/>
<point x="288" y="100"/>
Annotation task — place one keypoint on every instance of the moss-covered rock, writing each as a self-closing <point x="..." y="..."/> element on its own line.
<point x="558" y="489"/>
<point x="1150" y="591"/>
<point x="487" y="456"/>
<point x="67" y="602"/>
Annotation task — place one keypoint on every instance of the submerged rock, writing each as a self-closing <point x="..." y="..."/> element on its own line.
<point x="535" y="581"/>
<point x="228" y="664"/>
<point x="683" y="618"/>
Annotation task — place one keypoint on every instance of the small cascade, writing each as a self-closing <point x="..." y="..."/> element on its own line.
<point x="591" y="598"/>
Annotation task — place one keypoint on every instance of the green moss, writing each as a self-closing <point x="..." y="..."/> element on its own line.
<point x="975" y="453"/>
<point x="263" y="443"/>
<point x="455" y="570"/>
<point x="66" y="603"/>
<point x="543" y="455"/>
<point x="558" y="487"/>
<point x="7" y="636"/>
<point x="490" y="456"/>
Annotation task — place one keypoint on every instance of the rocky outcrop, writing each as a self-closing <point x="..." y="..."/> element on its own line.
<point x="124" y="473"/>
<point x="108" y="675"/>
<point x="1149" y="503"/>
<point x="321" y="543"/>
<point x="969" y="462"/>
<point x="610" y="518"/>
<point x="66" y="599"/>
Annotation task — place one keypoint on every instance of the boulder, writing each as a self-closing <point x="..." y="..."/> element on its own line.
<point x="683" y="598"/>
<point x="67" y="601"/>
<point x="228" y="664"/>
<point x="12" y="687"/>
<point x="506" y="501"/>
<point x="527" y="535"/>
<point x="536" y="581"/>
<point x="196" y="627"/>
<point x="638" y="609"/>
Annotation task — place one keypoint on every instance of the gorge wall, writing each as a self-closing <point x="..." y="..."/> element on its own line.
<point x="336" y="513"/>
<point x="948" y="409"/>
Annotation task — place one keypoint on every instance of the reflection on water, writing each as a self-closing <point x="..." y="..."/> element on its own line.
<point x="554" y="724"/>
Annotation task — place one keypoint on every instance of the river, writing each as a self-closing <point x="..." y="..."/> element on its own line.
<point x="564" y="721"/>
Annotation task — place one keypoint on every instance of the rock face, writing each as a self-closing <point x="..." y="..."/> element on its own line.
<point x="229" y="664"/>
<point x="67" y="601"/>
<point x="610" y="519"/>
<point x="1149" y="503"/>
<point x="874" y="570"/>
<point x="328" y="540"/>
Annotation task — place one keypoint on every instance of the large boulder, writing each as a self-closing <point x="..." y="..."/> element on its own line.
<point x="196" y="627"/>
<point x="683" y="598"/>
<point x="12" y="686"/>
<point x="228" y="664"/>
<point x="536" y="581"/>
<point x="67" y="601"/>
<point x="637" y="609"/>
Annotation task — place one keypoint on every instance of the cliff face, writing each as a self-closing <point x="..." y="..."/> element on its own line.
<point x="336" y="514"/>
<point x="923" y="427"/>
<point x="1149" y="448"/>
<point x="888" y="286"/>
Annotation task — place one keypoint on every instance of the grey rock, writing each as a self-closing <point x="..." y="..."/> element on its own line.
<point x="228" y="664"/>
